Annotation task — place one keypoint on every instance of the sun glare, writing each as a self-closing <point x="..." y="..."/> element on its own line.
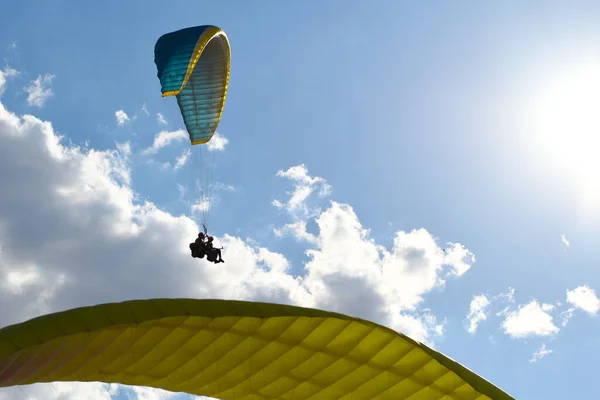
<point x="566" y="118"/>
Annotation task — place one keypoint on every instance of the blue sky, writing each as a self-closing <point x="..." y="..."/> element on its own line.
<point x="411" y="126"/>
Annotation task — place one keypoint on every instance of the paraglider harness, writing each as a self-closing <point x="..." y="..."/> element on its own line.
<point x="200" y="248"/>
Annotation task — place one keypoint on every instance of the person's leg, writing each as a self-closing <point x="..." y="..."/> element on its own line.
<point x="210" y="256"/>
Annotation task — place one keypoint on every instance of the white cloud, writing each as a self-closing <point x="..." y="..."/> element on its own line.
<point x="299" y="173"/>
<point x="459" y="258"/>
<point x="534" y="318"/>
<point x="566" y="316"/>
<point x="529" y="320"/>
<point x="548" y="307"/>
<point x="148" y="393"/>
<point x="565" y="241"/>
<point x="477" y="312"/>
<point x="541" y="353"/>
<point x="297" y="204"/>
<point x="122" y="117"/>
<point x="16" y="280"/>
<point x="508" y="297"/>
<point x="182" y="159"/>
<point x="349" y="272"/>
<point x="304" y="185"/>
<point x="298" y="230"/>
<point x="584" y="298"/>
<point x="6" y="73"/>
<point x="202" y="205"/>
<point x="164" y="138"/>
<point x="418" y="326"/>
<point x="61" y="391"/>
<point x="278" y="204"/>
<point x="145" y="109"/>
<point x="223" y="186"/>
<point x="217" y="142"/>
<point x="325" y="189"/>
<point x="182" y="190"/>
<point x="99" y="244"/>
<point x="88" y="391"/>
<point x="298" y="198"/>
<point x="161" y="119"/>
<point x="39" y="90"/>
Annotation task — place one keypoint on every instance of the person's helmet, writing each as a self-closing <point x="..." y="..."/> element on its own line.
<point x="201" y="234"/>
<point x="210" y="238"/>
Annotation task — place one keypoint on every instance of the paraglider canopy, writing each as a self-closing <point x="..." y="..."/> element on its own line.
<point x="193" y="64"/>
<point x="233" y="350"/>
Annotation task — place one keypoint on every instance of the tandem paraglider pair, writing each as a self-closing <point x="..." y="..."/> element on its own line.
<point x="193" y="64"/>
<point x="201" y="247"/>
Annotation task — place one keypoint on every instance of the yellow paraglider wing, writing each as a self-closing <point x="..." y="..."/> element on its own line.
<point x="233" y="350"/>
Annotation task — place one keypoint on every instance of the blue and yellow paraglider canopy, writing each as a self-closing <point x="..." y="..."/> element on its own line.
<point x="193" y="65"/>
